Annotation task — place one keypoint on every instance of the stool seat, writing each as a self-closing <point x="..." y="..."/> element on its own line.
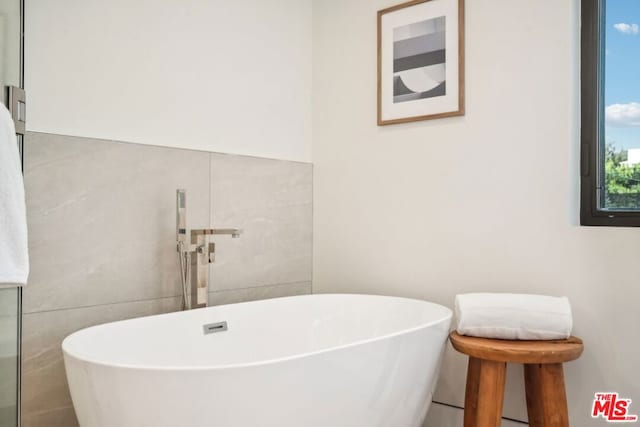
<point x="543" y="377"/>
<point x="557" y="351"/>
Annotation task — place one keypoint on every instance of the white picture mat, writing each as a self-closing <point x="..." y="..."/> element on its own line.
<point x="410" y="15"/>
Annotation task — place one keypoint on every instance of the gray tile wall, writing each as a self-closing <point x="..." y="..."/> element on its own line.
<point x="272" y="202"/>
<point x="102" y="242"/>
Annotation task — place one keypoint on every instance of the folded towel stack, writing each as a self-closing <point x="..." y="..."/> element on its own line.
<point x="513" y="316"/>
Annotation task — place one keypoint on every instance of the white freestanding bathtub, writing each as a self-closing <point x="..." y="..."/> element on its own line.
<point x="304" y="361"/>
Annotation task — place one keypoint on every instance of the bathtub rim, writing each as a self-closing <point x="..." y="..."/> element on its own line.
<point x="67" y="353"/>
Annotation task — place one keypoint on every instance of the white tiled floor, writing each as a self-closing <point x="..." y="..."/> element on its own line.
<point x="445" y="416"/>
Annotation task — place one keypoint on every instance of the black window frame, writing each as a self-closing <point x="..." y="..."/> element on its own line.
<point x="592" y="66"/>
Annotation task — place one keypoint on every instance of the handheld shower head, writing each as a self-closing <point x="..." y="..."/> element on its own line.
<point x="181" y="216"/>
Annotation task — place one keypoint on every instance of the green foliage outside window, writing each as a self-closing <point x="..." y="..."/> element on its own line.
<point x="622" y="181"/>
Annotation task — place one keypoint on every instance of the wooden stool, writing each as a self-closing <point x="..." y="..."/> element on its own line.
<point x="543" y="375"/>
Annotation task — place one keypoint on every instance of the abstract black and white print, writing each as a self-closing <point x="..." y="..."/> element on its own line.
<point x="419" y="68"/>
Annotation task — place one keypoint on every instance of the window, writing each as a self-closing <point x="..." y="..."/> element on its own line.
<point x="610" y="130"/>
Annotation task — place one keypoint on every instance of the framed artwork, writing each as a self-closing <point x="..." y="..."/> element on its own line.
<point x="420" y="61"/>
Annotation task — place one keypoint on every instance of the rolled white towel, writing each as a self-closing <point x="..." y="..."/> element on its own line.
<point x="513" y="316"/>
<point x="14" y="255"/>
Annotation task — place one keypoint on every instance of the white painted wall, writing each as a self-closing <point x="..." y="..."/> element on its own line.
<point x="633" y="156"/>
<point x="435" y="208"/>
<point x="9" y="44"/>
<point x="218" y="75"/>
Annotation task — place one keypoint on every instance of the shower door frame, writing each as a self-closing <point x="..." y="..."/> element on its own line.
<point x="21" y="144"/>
<point x="18" y="300"/>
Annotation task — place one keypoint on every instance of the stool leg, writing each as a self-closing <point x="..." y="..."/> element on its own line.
<point x="533" y="388"/>
<point x="471" y="393"/>
<point x="490" y="393"/>
<point x="546" y="397"/>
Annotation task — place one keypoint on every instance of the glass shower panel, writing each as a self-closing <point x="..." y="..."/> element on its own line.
<point x="10" y="44"/>
<point x="9" y="356"/>
<point x="10" y="297"/>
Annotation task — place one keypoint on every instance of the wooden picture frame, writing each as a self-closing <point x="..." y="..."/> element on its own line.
<point x="420" y="61"/>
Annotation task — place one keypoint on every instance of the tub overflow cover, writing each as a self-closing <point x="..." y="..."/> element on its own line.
<point x="215" y="327"/>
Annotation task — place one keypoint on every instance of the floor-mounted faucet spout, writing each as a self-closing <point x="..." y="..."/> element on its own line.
<point x="233" y="232"/>
<point x="198" y="254"/>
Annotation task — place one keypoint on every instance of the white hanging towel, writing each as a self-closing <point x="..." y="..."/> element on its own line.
<point x="513" y="316"/>
<point x="14" y="257"/>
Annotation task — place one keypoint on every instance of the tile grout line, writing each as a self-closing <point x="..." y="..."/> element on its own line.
<point x="449" y="405"/>
<point x="313" y="222"/>
<point x="161" y="298"/>
<point x="274" y="285"/>
<point x="168" y="147"/>
<point x="210" y="197"/>
<point x="102" y="304"/>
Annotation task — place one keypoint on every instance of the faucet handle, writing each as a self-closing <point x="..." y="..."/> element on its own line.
<point x="212" y="252"/>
